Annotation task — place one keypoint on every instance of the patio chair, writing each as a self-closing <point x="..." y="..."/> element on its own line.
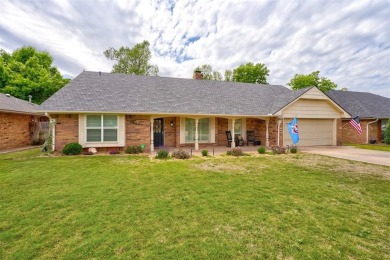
<point x="251" y="138"/>
<point x="229" y="138"/>
<point x="239" y="141"/>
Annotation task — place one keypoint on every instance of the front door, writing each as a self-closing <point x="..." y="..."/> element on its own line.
<point x="158" y="132"/>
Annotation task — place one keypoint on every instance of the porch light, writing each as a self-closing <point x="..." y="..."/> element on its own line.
<point x="171" y="123"/>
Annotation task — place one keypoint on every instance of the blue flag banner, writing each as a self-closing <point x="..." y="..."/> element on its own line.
<point x="293" y="130"/>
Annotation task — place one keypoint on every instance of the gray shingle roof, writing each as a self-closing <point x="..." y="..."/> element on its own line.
<point x="362" y="104"/>
<point x="110" y="92"/>
<point x="16" y="105"/>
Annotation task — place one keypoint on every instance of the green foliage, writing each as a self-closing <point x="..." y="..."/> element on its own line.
<point x="228" y="75"/>
<point x="261" y="150"/>
<point x="162" y="154"/>
<point x="132" y="60"/>
<point x="251" y="73"/>
<point x="205" y="152"/>
<point x="311" y="80"/>
<point x="72" y="149"/>
<point x="278" y="150"/>
<point x="29" y="72"/>
<point x="387" y="132"/>
<point x="294" y="149"/>
<point x="235" y="152"/>
<point x="135" y="149"/>
<point x="180" y="154"/>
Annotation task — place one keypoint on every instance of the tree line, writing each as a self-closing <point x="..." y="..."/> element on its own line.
<point x="27" y="71"/>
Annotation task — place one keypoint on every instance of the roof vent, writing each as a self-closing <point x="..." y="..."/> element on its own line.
<point x="8" y="95"/>
<point x="29" y="98"/>
<point x="100" y="73"/>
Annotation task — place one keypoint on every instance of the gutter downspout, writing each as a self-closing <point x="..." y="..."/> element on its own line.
<point x="367" y="127"/>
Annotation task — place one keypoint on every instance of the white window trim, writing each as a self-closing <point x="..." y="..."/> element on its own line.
<point x="211" y="131"/>
<point x="102" y="128"/>
<point x="121" y="134"/>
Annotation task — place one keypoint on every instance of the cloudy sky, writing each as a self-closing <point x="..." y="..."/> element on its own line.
<point x="348" y="41"/>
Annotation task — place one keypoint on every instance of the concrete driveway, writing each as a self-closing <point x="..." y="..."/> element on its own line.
<point x="350" y="153"/>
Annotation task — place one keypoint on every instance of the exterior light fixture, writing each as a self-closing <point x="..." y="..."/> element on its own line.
<point x="171" y="123"/>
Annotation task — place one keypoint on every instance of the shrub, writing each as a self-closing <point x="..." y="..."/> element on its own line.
<point x="162" y="154"/>
<point x="278" y="150"/>
<point x="294" y="149"/>
<point x="136" y="149"/>
<point x="180" y="154"/>
<point x="387" y="132"/>
<point x="205" y="152"/>
<point x="261" y="150"/>
<point x="72" y="149"/>
<point x="235" y="152"/>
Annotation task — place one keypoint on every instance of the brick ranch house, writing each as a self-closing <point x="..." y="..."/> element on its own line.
<point x="373" y="111"/>
<point x="18" y="122"/>
<point x="106" y="110"/>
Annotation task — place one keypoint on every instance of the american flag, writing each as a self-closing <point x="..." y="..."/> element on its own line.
<point x="355" y="122"/>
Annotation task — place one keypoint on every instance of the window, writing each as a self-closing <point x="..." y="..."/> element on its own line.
<point x="102" y="128"/>
<point x="237" y="128"/>
<point x="383" y="128"/>
<point x="203" y="130"/>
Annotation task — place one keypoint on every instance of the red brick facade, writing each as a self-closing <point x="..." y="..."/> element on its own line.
<point x="349" y="134"/>
<point x="138" y="131"/>
<point x="67" y="130"/>
<point x="14" y="130"/>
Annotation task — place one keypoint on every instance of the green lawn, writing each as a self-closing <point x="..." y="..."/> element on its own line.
<point x="298" y="206"/>
<point x="378" y="147"/>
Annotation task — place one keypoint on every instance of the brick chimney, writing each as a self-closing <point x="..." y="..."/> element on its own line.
<point x="198" y="74"/>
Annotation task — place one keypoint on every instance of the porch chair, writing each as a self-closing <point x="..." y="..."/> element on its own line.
<point x="251" y="138"/>
<point x="229" y="138"/>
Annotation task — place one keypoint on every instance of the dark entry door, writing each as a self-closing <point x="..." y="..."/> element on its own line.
<point x="158" y="132"/>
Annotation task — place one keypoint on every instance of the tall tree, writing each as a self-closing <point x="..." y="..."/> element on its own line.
<point x="134" y="60"/>
<point x="251" y="73"/>
<point x="313" y="79"/>
<point x="29" y="72"/>
<point x="228" y="75"/>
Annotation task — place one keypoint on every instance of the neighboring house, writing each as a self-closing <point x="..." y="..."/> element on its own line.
<point x="106" y="110"/>
<point x="19" y="122"/>
<point x="373" y="111"/>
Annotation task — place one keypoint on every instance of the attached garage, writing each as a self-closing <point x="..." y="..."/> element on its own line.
<point x="319" y="119"/>
<point x="312" y="132"/>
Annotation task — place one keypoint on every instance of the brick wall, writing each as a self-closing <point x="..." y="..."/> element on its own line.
<point x="220" y="131"/>
<point x="14" y="130"/>
<point x="257" y="125"/>
<point x="67" y="130"/>
<point x="273" y="132"/>
<point x="350" y="135"/>
<point x="170" y="132"/>
<point x="138" y="131"/>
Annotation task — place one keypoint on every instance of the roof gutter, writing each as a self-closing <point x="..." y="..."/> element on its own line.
<point x="367" y="128"/>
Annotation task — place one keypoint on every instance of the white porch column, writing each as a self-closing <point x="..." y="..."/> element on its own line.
<point x="266" y="133"/>
<point x="196" y="135"/>
<point x="151" y="134"/>
<point x="233" y="143"/>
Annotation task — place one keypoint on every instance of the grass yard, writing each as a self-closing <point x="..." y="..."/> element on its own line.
<point x="378" y="147"/>
<point x="298" y="206"/>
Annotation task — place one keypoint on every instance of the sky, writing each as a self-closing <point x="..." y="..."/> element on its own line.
<point x="347" y="41"/>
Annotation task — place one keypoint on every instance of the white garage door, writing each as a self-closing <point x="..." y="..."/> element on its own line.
<point x="311" y="132"/>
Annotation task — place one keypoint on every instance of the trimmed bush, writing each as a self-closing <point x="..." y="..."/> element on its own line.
<point x="294" y="149"/>
<point x="136" y="149"/>
<point x="205" y="152"/>
<point x="235" y="152"/>
<point x="387" y="132"/>
<point x="72" y="149"/>
<point x="162" y="154"/>
<point x="180" y="154"/>
<point x="278" y="150"/>
<point x="261" y="150"/>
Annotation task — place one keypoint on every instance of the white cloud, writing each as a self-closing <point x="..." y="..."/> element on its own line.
<point x="348" y="41"/>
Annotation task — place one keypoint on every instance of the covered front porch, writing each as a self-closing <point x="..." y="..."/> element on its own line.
<point x="194" y="133"/>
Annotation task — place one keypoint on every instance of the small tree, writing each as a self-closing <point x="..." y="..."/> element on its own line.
<point x="387" y="132"/>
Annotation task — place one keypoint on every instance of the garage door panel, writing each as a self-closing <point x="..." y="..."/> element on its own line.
<point x="311" y="132"/>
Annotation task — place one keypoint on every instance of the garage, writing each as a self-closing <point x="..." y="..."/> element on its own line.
<point x="311" y="132"/>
